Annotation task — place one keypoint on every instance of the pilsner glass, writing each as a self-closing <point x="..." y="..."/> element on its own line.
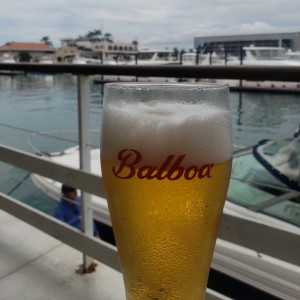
<point x="166" y="152"/>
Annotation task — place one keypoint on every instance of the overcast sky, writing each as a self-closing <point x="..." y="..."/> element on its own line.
<point x="156" y="23"/>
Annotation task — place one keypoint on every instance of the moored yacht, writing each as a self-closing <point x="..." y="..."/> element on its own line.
<point x="264" y="56"/>
<point x="46" y="60"/>
<point x="293" y="55"/>
<point x="155" y="57"/>
<point x="190" y="58"/>
<point x="8" y="59"/>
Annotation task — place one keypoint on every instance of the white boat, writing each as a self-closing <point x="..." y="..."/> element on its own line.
<point x="190" y="58"/>
<point x="155" y="57"/>
<point x="293" y="55"/>
<point x="92" y="61"/>
<point x="253" y="56"/>
<point x="79" y="60"/>
<point x="9" y="59"/>
<point x="283" y="164"/>
<point x="259" y="173"/>
<point x="145" y="57"/>
<point x="264" y="56"/>
<point x="265" y="184"/>
<point x="49" y="60"/>
<point x="272" y="203"/>
<point x="70" y="157"/>
<point x="264" y="188"/>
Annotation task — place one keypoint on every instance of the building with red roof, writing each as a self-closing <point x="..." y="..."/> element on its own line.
<point x="33" y="51"/>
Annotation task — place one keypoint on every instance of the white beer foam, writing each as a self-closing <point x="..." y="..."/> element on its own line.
<point x="156" y="130"/>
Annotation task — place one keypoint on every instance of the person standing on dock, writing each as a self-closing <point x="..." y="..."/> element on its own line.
<point x="68" y="208"/>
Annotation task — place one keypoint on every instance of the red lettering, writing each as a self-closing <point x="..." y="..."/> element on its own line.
<point x="146" y="172"/>
<point x="125" y="156"/>
<point x="205" y="171"/>
<point x="163" y="168"/>
<point x="170" y="169"/>
<point x="190" y="172"/>
<point x="176" y="169"/>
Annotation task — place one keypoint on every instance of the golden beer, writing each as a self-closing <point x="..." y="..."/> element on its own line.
<point x="166" y="232"/>
<point x="165" y="193"/>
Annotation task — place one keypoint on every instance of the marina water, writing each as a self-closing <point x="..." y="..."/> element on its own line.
<point x="33" y="103"/>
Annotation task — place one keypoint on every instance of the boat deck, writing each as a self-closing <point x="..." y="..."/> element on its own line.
<point x="36" y="266"/>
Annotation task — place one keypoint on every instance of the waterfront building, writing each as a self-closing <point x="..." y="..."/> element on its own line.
<point x="21" y="51"/>
<point x="232" y="44"/>
<point x="101" y="48"/>
<point x="67" y="53"/>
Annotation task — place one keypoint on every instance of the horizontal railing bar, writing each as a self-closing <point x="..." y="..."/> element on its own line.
<point x="258" y="237"/>
<point x="275" y="200"/>
<point x="261" y="238"/>
<point x="95" y="248"/>
<point x="80" y="179"/>
<point x="257" y="73"/>
<point x="213" y="295"/>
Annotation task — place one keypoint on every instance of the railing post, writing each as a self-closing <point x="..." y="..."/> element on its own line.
<point x="85" y="155"/>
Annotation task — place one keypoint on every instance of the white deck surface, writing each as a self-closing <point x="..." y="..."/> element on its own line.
<point x="35" y="266"/>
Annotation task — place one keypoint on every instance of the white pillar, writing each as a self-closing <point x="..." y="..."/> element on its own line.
<point x="85" y="154"/>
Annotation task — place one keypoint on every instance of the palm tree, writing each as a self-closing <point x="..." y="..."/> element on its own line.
<point x="175" y="52"/>
<point x="93" y="34"/>
<point x="108" y="37"/>
<point x="46" y="40"/>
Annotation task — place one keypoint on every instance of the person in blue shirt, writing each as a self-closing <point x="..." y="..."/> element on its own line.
<point x="68" y="208"/>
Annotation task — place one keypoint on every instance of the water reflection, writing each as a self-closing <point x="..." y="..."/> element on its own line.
<point x="259" y="116"/>
<point x="239" y="111"/>
<point x="49" y="102"/>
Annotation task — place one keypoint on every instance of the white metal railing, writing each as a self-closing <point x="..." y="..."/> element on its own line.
<point x="257" y="237"/>
<point x="245" y="233"/>
<point x="93" y="247"/>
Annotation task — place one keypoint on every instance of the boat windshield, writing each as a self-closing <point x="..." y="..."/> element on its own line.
<point x="159" y="55"/>
<point x="255" y="188"/>
<point x="163" y="55"/>
<point x="191" y="57"/>
<point x="269" y="54"/>
<point x="145" y="55"/>
<point x="294" y="56"/>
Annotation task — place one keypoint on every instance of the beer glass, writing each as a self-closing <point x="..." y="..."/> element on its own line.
<point x="166" y="152"/>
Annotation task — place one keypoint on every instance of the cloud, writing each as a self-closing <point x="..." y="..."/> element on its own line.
<point x="167" y="23"/>
<point x="255" y="27"/>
